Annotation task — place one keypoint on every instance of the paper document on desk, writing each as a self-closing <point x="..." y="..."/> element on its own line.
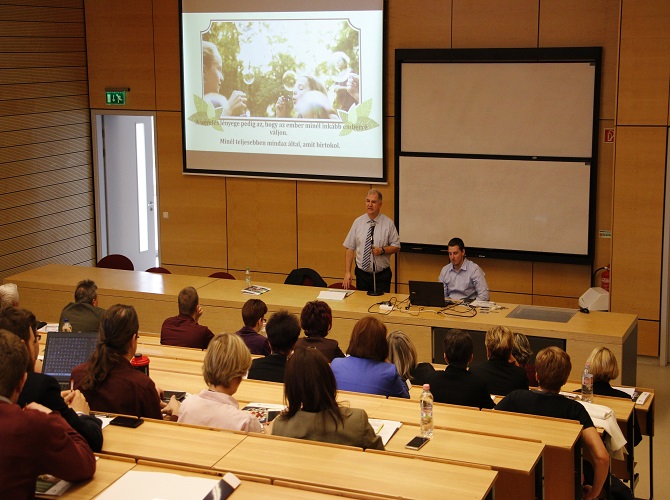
<point x="140" y="485"/>
<point x="334" y="294"/>
<point x="385" y="428"/>
<point x="49" y="485"/>
<point x="255" y="290"/>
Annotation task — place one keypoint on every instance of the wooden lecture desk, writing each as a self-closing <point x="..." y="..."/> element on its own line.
<point x="46" y="290"/>
<point x="353" y="470"/>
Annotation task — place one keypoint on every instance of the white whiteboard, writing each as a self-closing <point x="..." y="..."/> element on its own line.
<point x="518" y="109"/>
<point x="495" y="204"/>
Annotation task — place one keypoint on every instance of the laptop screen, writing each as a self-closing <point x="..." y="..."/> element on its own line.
<point x="65" y="350"/>
<point x="426" y="293"/>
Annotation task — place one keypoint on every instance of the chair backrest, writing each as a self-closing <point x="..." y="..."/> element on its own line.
<point x="339" y="285"/>
<point x="116" y="261"/>
<point x="306" y="277"/>
<point x="223" y="275"/>
<point x="157" y="270"/>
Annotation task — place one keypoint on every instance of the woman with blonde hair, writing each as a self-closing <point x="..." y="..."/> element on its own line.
<point x="604" y="367"/>
<point x="521" y="352"/>
<point x="402" y="353"/>
<point x="501" y="376"/>
<point x="227" y="361"/>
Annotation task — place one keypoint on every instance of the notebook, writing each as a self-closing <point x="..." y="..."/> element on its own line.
<point x="64" y="351"/>
<point x="426" y="293"/>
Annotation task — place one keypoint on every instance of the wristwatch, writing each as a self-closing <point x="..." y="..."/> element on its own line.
<point x="383" y="250"/>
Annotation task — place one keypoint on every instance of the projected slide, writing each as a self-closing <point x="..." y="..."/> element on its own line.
<point x="295" y="92"/>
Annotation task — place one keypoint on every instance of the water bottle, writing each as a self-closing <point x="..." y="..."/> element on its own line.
<point x="67" y="327"/>
<point x="587" y="384"/>
<point x="247" y="277"/>
<point x="426" y="403"/>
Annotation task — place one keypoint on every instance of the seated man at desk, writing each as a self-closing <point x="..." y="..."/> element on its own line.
<point x="35" y="440"/>
<point x="456" y="385"/>
<point x="83" y="314"/>
<point x="462" y="278"/>
<point x="253" y="315"/>
<point x="553" y="367"/>
<point x="183" y="330"/>
<point x="283" y="331"/>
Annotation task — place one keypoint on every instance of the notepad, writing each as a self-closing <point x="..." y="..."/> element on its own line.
<point x="334" y="294"/>
<point x="385" y="428"/>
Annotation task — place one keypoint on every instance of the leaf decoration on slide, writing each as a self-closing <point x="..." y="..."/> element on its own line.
<point x="206" y="114"/>
<point x="357" y="119"/>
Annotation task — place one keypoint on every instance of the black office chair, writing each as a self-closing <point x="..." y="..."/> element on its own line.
<point x="222" y="275"/>
<point x="116" y="261"/>
<point x="305" y="276"/>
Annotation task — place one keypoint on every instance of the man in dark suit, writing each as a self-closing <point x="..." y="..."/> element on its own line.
<point x="83" y="314"/>
<point x="456" y="385"/>
<point x="501" y="376"/>
<point x="45" y="390"/>
<point x="34" y="440"/>
<point x="283" y="330"/>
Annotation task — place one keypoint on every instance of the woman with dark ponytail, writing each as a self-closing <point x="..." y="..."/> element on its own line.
<point x="108" y="380"/>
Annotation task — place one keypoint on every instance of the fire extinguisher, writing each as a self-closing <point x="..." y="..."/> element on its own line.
<point x="604" y="277"/>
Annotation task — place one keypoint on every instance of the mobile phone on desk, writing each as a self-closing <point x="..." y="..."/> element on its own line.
<point x="417" y="443"/>
<point x="132" y="422"/>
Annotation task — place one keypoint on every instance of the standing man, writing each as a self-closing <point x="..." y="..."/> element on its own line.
<point x="462" y="279"/>
<point x="372" y="236"/>
<point x="184" y="330"/>
<point x="83" y="314"/>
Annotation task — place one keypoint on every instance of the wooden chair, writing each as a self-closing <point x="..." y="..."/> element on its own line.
<point x="157" y="270"/>
<point x="116" y="261"/>
<point x="223" y="275"/>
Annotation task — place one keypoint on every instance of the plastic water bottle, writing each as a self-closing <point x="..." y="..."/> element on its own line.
<point x="587" y="384"/>
<point x="426" y="403"/>
<point x="67" y="327"/>
<point x="247" y="277"/>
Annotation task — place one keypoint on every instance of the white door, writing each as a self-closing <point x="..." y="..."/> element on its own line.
<point x="126" y="180"/>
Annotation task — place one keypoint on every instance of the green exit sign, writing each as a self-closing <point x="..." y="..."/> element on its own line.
<point x="115" y="97"/>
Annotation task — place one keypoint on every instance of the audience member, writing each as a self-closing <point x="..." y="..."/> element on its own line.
<point x="605" y="368"/>
<point x="227" y="361"/>
<point x="108" y="380"/>
<point x="501" y="376"/>
<point x="316" y="320"/>
<point x="553" y="368"/>
<point x="365" y="368"/>
<point x="313" y="412"/>
<point x="83" y="314"/>
<point x="44" y="389"/>
<point x="9" y="296"/>
<point x="403" y="355"/>
<point x="253" y="315"/>
<point x="521" y="352"/>
<point x="34" y="440"/>
<point x="183" y="330"/>
<point x="456" y="385"/>
<point x="283" y="332"/>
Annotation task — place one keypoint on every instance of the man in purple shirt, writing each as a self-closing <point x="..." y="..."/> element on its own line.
<point x="184" y="330"/>
<point x="253" y="315"/>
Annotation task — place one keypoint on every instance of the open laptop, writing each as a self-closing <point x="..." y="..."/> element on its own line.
<point x="64" y="351"/>
<point x="426" y="293"/>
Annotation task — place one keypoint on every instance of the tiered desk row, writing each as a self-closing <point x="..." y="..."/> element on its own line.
<point x="471" y="451"/>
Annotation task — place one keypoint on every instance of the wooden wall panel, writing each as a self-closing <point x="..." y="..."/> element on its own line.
<point x="262" y="225"/>
<point x="574" y="23"/>
<point x="639" y="191"/>
<point x="194" y="234"/>
<point x="168" y="60"/>
<point x="644" y="68"/>
<point x="561" y="280"/>
<point x="121" y="51"/>
<point x="414" y="25"/>
<point x="647" y="338"/>
<point x="325" y="214"/>
<point x="604" y="191"/>
<point x="46" y="204"/>
<point x="484" y="24"/>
